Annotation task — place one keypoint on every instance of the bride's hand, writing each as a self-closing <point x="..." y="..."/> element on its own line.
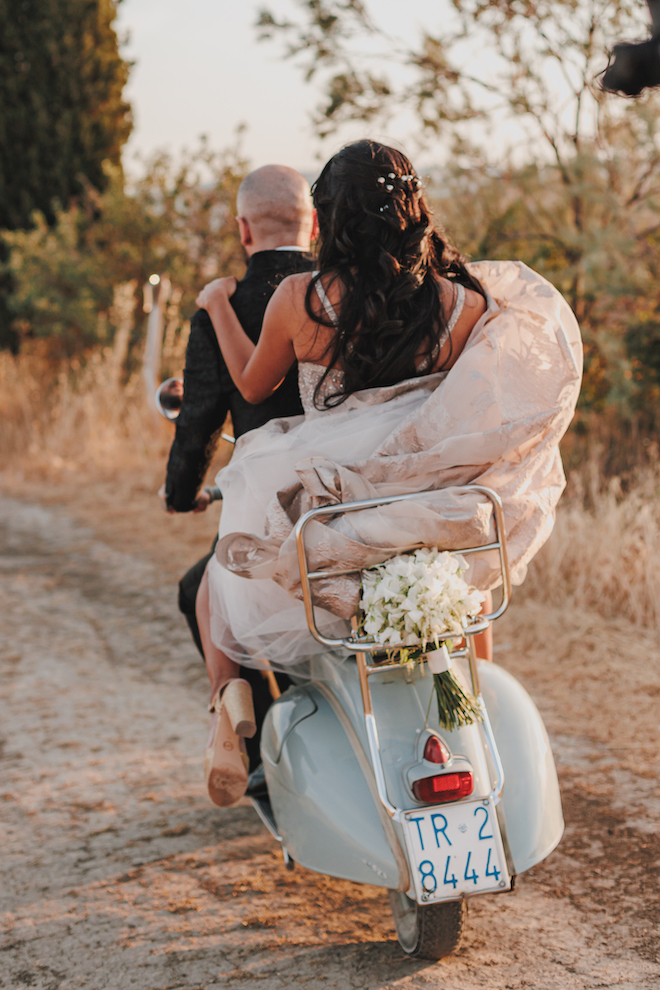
<point x="219" y="288"/>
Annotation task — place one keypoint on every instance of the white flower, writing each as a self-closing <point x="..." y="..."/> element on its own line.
<point x="415" y="598"/>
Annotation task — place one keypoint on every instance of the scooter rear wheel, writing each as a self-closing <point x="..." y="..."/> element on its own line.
<point x="430" y="931"/>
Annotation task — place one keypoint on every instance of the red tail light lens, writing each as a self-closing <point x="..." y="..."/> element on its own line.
<point x="444" y="787"/>
<point x="435" y="750"/>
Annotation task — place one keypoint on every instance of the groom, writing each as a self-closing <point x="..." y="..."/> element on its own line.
<point x="276" y="223"/>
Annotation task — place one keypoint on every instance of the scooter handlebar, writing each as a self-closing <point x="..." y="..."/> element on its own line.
<point x="213" y="492"/>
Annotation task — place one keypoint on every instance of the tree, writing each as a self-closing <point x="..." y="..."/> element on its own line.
<point x="539" y="163"/>
<point x="61" y="109"/>
<point x="532" y="61"/>
<point x="177" y="218"/>
<point x="62" y="116"/>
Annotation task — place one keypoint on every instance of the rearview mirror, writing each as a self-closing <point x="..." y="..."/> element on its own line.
<point x="169" y="397"/>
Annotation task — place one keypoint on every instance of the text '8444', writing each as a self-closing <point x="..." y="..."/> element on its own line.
<point x="456" y="852"/>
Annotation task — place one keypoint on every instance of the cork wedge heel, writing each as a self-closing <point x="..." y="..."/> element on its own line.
<point x="225" y="760"/>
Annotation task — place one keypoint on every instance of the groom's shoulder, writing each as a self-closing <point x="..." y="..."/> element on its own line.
<point x="201" y="326"/>
<point x="268" y="268"/>
<point x="266" y="271"/>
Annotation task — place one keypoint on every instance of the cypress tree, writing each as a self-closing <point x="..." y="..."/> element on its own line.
<point x="61" y="109"/>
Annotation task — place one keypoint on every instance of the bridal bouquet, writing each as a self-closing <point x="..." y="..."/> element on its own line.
<point x="416" y="599"/>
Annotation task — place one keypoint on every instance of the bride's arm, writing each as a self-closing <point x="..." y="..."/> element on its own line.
<point x="256" y="370"/>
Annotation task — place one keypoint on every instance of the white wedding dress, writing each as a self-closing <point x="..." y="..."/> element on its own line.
<point x="495" y="419"/>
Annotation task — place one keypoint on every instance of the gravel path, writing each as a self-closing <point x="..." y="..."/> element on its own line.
<point x="117" y="872"/>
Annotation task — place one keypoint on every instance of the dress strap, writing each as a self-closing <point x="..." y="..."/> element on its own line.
<point x="325" y="302"/>
<point x="332" y="312"/>
<point x="458" y="307"/>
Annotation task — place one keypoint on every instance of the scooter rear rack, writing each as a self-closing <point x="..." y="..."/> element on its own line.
<point x="364" y="647"/>
<point x="363" y="643"/>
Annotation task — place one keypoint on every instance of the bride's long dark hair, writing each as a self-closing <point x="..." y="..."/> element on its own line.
<point x="377" y="237"/>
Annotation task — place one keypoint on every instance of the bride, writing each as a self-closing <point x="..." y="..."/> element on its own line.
<point x="417" y="373"/>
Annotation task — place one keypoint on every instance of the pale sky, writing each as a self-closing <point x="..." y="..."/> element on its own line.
<point x="199" y="69"/>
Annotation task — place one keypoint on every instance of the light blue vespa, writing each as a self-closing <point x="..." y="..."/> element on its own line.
<point x="342" y="750"/>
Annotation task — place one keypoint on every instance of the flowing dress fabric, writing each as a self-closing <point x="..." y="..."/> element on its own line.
<point x="494" y="419"/>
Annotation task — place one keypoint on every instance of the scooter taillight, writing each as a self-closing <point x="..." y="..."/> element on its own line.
<point x="444" y="787"/>
<point x="435" y="750"/>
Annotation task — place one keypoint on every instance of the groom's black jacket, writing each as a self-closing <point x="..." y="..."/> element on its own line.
<point x="208" y="395"/>
<point x="208" y="391"/>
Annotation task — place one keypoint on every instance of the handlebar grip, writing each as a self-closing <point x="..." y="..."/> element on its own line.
<point x="214" y="493"/>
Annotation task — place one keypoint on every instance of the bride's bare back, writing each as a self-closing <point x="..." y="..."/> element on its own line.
<point x="289" y="334"/>
<point x="313" y="342"/>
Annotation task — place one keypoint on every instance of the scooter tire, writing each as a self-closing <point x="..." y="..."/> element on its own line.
<point x="429" y="931"/>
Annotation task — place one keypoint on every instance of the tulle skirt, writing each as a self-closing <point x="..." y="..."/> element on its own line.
<point x="256" y="622"/>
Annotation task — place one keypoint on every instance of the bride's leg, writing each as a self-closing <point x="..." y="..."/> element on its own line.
<point x="225" y="757"/>
<point x="218" y="665"/>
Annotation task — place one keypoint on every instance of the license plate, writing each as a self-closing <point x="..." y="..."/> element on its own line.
<point x="455" y="851"/>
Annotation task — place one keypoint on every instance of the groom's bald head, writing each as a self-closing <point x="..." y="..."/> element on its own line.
<point x="276" y="203"/>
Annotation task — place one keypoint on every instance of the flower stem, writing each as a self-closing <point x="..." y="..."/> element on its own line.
<point x="455" y="707"/>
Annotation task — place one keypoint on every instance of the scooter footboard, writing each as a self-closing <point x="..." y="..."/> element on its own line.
<point x="321" y="799"/>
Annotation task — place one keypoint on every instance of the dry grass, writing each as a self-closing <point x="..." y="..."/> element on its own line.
<point x="604" y="553"/>
<point x="79" y="415"/>
<point x="86" y="429"/>
<point x="84" y="437"/>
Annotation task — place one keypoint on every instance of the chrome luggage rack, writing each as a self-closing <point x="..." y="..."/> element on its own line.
<point x="363" y="646"/>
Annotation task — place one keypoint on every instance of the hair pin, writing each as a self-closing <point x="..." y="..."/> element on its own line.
<point x="389" y="186"/>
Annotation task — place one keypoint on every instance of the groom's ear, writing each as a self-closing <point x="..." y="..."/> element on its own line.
<point x="245" y="232"/>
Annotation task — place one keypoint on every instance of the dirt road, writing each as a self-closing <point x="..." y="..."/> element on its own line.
<point x="117" y="872"/>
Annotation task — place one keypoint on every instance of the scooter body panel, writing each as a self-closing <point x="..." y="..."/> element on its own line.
<point x="321" y="800"/>
<point x="318" y="774"/>
<point x="531" y="803"/>
<point x="531" y="800"/>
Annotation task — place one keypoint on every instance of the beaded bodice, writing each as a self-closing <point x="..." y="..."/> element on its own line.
<point x="309" y="375"/>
